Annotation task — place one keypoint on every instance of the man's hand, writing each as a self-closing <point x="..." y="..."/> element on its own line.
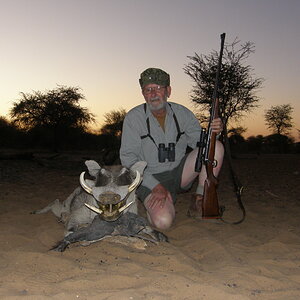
<point x="159" y="196"/>
<point x="216" y="125"/>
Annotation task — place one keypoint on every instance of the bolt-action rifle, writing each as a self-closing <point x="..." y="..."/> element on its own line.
<point x="206" y="153"/>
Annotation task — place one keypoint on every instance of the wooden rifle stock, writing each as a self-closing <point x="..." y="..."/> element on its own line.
<point x="210" y="203"/>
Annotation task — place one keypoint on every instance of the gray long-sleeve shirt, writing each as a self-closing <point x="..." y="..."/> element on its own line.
<point x="134" y="148"/>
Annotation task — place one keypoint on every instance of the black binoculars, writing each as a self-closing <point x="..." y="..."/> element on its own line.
<point x="166" y="153"/>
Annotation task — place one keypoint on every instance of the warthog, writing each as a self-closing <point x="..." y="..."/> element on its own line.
<point x="103" y="205"/>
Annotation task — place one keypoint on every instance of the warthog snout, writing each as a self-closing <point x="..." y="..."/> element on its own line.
<point x="109" y="198"/>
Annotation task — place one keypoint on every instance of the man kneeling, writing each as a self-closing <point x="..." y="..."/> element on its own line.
<point x="158" y="132"/>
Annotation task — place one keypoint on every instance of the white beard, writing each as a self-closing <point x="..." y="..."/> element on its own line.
<point x="157" y="107"/>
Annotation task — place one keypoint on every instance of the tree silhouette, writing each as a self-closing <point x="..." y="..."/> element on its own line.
<point x="113" y="122"/>
<point x="4" y="123"/>
<point x="279" y="118"/>
<point x="11" y="136"/>
<point x="235" y="138"/>
<point x="53" y="113"/>
<point x="55" y="108"/>
<point x="238" y="85"/>
<point x="255" y="143"/>
<point x="236" y="130"/>
<point x="278" y="143"/>
<point x="112" y="130"/>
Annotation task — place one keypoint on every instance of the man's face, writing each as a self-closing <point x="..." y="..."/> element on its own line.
<point x="156" y="96"/>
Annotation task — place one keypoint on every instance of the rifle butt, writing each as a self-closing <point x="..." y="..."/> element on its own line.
<point x="210" y="203"/>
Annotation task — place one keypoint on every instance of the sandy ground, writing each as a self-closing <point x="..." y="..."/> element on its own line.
<point x="258" y="259"/>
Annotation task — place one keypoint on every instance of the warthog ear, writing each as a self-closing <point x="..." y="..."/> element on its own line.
<point x="139" y="166"/>
<point x="93" y="167"/>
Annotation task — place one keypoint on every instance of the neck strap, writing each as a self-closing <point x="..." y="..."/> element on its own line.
<point x="179" y="133"/>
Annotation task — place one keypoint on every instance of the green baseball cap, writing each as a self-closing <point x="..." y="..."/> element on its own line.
<point x="154" y="75"/>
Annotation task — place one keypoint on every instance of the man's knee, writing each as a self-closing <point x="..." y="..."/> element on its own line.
<point x="161" y="217"/>
<point x="161" y="220"/>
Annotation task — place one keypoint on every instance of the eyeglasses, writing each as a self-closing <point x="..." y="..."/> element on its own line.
<point x="149" y="90"/>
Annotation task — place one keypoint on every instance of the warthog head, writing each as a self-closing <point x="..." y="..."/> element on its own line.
<point x="112" y="187"/>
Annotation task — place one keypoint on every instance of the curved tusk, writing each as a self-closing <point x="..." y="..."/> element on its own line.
<point x="135" y="183"/>
<point x="94" y="209"/>
<point x="83" y="184"/>
<point x="124" y="207"/>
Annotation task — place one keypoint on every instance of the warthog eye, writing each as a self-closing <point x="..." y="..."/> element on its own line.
<point x="124" y="178"/>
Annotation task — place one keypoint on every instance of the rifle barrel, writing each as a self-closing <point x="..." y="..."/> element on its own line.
<point x="210" y="204"/>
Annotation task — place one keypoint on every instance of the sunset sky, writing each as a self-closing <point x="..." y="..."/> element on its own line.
<point x="103" y="46"/>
